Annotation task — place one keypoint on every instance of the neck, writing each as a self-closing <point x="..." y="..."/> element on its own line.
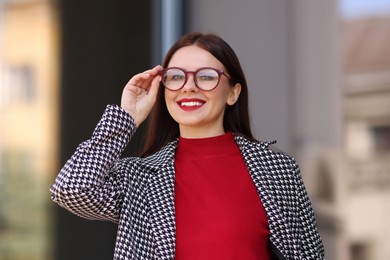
<point x="195" y="148"/>
<point x="191" y="132"/>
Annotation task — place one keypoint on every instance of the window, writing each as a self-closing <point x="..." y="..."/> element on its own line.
<point x="359" y="251"/>
<point x="381" y="138"/>
<point x="18" y="84"/>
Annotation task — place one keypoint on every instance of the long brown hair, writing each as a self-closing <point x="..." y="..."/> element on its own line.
<point x="162" y="128"/>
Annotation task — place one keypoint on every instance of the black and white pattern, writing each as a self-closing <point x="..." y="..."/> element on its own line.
<point x="138" y="193"/>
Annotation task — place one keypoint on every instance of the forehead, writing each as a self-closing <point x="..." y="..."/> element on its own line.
<point x="193" y="57"/>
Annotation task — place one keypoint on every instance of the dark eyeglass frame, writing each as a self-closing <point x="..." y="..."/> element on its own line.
<point x="219" y="72"/>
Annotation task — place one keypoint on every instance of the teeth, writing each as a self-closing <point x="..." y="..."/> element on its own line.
<point x="191" y="104"/>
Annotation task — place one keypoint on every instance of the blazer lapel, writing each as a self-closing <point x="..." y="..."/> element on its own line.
<point x="255" y="157"/>
<point x="161" y="200"/>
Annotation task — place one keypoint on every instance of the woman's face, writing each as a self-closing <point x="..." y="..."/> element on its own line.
<point x="199" y="113"/>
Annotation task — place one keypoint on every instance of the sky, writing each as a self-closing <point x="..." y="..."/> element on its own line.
<point x="359" y="8"/>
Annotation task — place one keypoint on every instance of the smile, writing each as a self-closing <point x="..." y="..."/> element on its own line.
<point x="191" y="104"/>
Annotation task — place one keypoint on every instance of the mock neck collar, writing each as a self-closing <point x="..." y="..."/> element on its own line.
<point x="206" y="147"/>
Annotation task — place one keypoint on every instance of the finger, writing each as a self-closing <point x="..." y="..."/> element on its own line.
<point x="149" y="75"/>
<point x="139" y="80"/>
<point x="134" y="89"/>
<point x="144" y="79"/>
<point x="154" y="71"/>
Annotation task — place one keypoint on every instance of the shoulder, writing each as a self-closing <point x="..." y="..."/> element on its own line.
<point x="263" y="150"/>
<point x="154" y="161"/>
<point x="266" y="157"/>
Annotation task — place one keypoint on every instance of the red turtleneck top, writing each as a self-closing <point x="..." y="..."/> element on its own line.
<point x="219" y="214"/>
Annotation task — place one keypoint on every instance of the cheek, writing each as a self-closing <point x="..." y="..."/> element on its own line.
<point x="223" y="94"/>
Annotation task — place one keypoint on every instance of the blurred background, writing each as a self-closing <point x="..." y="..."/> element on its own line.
<point x="319" y="80"/>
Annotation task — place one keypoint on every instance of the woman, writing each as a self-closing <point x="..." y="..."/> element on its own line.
<point x="204" y="188"/>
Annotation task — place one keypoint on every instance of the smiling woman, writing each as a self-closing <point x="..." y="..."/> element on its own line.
<point x="204" y="188"/>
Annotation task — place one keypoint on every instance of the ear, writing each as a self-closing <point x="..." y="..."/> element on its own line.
<point x="234" y="94"/>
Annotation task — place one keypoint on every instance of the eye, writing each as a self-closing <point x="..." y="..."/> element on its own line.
<point x="174" y="75"/>
<point x="206" y="78"/>
<point x="207" y="75"/>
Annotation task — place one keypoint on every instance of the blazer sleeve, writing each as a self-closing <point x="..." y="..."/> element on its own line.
<point x="90" y="184"/>
<point x="311" y="246"/>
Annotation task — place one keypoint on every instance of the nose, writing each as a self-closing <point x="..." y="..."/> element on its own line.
<point x="190" y="84"/>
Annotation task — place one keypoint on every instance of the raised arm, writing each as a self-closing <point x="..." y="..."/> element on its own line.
<point x="91" y="183"/>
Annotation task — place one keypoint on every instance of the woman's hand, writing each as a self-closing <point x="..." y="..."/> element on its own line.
<point x="139" y="94"/>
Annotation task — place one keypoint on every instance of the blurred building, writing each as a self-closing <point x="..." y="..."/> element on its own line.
<point x="367" y="118"/>
<point x="28" y="126"/>
<point x="61" y="63"/>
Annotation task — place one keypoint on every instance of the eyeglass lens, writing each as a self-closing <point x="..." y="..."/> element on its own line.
<point x="205" y="79"/>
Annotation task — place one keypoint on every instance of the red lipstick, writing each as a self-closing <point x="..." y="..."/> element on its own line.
<point x="190" y="104"/>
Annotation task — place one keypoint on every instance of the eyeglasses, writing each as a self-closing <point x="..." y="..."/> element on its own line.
<point x="205" y="79"/>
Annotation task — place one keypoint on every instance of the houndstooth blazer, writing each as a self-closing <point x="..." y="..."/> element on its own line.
<point x="138" y="193"/>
